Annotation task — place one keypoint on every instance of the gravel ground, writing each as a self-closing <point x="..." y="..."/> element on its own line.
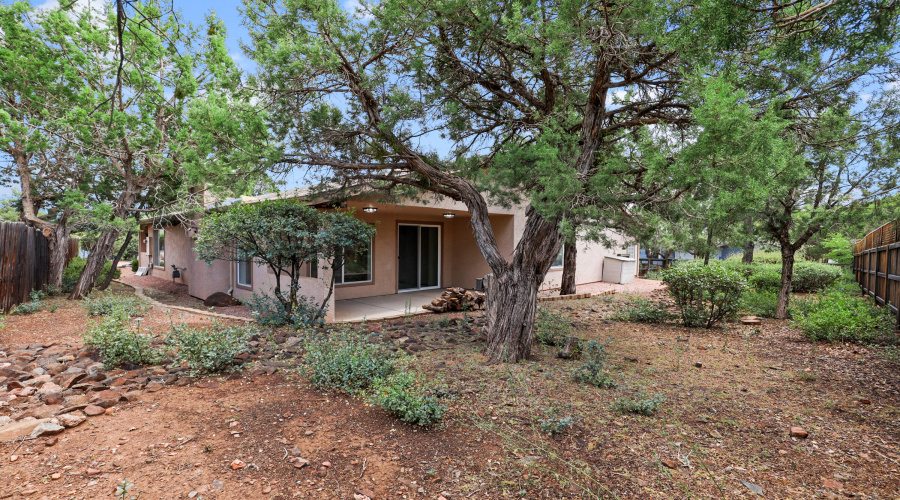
<point x="639" y="286"/>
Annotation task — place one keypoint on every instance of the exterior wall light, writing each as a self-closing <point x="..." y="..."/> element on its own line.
<point x="370" y="210"/>
<point x="449" y="215"/>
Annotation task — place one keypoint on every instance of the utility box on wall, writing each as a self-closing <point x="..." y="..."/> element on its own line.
<point x="618" y="270"/>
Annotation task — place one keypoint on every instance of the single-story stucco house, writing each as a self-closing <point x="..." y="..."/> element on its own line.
<point x="419" y="247"/>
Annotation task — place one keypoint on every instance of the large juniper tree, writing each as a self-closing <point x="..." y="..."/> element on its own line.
<point x="548" y="102"/>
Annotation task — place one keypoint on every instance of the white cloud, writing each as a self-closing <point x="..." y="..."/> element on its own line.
<point x="359" y="9"/>
<point x="97" y="7"/>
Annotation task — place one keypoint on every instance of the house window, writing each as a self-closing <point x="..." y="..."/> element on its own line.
<point x="560" y="258"/>
<point x="357" y="266"/>
<point x="159" y="247"/>
<point x="244" y="276"/>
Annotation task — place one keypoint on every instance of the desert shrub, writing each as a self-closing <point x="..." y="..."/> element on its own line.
<point x="103" y="303"/>
<point x="118" y="341"/>
<point x="555" y="424"/>
<point x="135" y="265"/>
<point x="211" y="349"/>
<point x="813" y="276"/>
<point x="643" y="310"/>
<point x="269" y="311"/>
<point x="34" y="305"/>
<point x="407" y="395"/>
<point x="73" y="271"/>
<point x="760" y="303"/>
<point x="346" y="361"/>
<point x="593" y="368"/>
<point x="841" y="318"/>
<point x="551" y="328"/>
<point x="640" y="404"/>
<point x="704" y="294"/>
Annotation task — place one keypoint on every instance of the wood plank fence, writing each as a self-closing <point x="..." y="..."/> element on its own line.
<point x="24" y="263"/>
<point x="876" y="264"/>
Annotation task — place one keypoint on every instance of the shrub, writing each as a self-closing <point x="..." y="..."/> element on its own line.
<point x="642" y="405"/>
<point x="845" y="285"/>
<point x="103" y="303"/>
<point x="554" y="424"/>
<point x="765" y="278"/>
<point x="118" y="342"/>
<point x="135" y="265"/>
<point x="593" y="369"/>
<point x="406" y="395"/>
<point x="211" y="349"/>
<point x="763" y="304"/>
<point x="843" y="318"/>
<point x="645" y="311"/>
<point x="346" y="361"/>
<point x="32" y="306"/>
<point x="269" y="311"/>
<point x="73" y="271"/>
<point x="551" y="328"/>
<point x="704" y="294"/>
<point x="813" y="276"/>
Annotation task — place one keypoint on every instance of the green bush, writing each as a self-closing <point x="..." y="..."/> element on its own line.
<point x="551" y="328"/>
<point x="407" y="395"/>
<point x="268" y="311"/>
<point x="704" y="294"/>
<point x="765" y="277"/>
<point x="211" y="349"/>
<point x="135" y="265"/>
<point x="813" y="276"/>
<point x="346" y="361"/>
<point x="73" y="271"/>
<point x="762" y="304"/>
<point x="32" y="306"/>
<point x="641" y="404"/>
<point x="593" y="368"/>
<point x="555" y="424"/>
<point x="644" y="311"/>
<point x="841" y="318"/>
<point x="845" y="285"/>
<point x="103" y="303"/>
<point x="119" y="342"/>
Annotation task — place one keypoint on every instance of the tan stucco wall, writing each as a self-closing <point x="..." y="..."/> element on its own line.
<point x="589" y="263"/>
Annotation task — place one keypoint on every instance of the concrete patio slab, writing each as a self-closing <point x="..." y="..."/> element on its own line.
<point x="384" y="306"/>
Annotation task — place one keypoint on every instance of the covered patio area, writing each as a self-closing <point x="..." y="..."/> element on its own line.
<point x="394" y="305"/>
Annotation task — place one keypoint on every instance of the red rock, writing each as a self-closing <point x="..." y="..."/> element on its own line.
<point x="94" y="410"/>
<point x="799" y="432"/>
<point x="93" y="472"/>
<point x="832" y="484"/>
<point x="326" y="464"/>
<point x="237" y="464"/>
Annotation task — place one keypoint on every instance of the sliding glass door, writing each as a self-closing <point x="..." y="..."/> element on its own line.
<point x="418" y="257"/>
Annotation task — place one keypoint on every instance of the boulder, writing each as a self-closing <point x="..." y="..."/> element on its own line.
<point x="46" y="429"/>
<point x="221" y="299"/>
<point x="73" y="419"/>
<point x="20" y="429"/>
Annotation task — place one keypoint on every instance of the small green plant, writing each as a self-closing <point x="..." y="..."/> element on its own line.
<point x="122" y="489"/>
<point x="808" y="376"/>
<point x="641" y="404"/>
<point x="407" y="395"/>
<point x="555" y="424"/>
<point x="550" y="327"/>
<point x="760" y="303"/>
<point x="34" y="305"/>
<point x="267" y="310"/>
<point x="593" y="368"/>
<point x="705" y="295"/>
<point x="443" y="321"/>
<point x="643" y="310"/>
<point x="119" y="341"/>
<point x="841" y="318"/>
<point x="135" y="265"/>
<point x="211" y="349"/>
<point x="103" y="303"/>
<point x="407" y="311"/>
<point x="345" y="361"/>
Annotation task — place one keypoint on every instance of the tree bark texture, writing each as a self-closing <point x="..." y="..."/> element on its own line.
<point x="570" y="254"/>
<point x="95" y="261"/>
<point x="115" y="262"/>
<point x="787" y="276"/>
<point x="749" y="248"/>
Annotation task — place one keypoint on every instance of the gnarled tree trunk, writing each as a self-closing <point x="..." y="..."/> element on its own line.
<point x="95" y="261"/>
<point x="115" y="262"/>
<point x="570" y="255"/>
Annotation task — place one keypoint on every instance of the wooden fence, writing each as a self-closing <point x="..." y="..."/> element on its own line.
<point x="24" y="263"/>
<point x="876" y="264"/>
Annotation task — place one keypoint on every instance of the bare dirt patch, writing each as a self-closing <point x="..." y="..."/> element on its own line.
<point x="731" y="397"/>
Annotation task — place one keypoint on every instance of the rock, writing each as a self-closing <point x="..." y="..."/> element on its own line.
<point x="94" y="410"/>
<point x="4" y="420"/>
<point x="301" y="463"/>
<point x="69" y="420"/>
<point x="670" y="464"/>
<point x="326" y="464"/>
<point x="221" y="299"/>
<point x="237" y="464"/>
<point x="751" y="320"/>
<point x="154" y="386"/>
<point x="20" y="429"/>
<point x="698" y="364"/>
<point x="831" y="484"/>
<point x="217" y="485"/>
<point x="93" y="472"/>
<point x="752" y="487"/>
<point x="51" y="441"/>
<point x="799" y="432"/>
<point x="46" y="429"/>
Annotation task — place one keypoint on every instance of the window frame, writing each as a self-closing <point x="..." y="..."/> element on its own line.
<point x="237" y="273"/>
<point x="562" y="258"/>
<point x="369" y="267"/>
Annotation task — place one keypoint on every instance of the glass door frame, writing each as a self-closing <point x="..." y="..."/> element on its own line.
<point x="440" y="262"/>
